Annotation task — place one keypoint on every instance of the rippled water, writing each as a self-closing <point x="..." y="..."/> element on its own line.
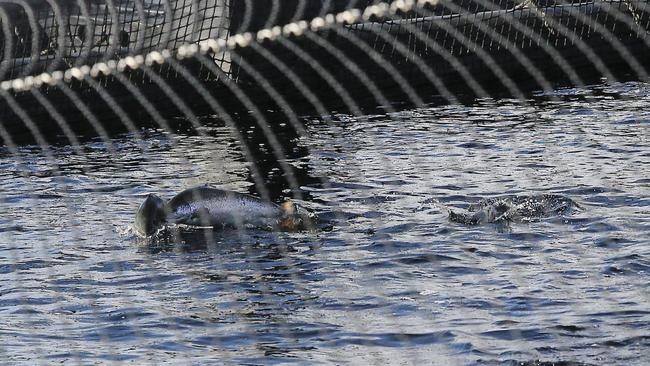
<point x="394" y="281"/>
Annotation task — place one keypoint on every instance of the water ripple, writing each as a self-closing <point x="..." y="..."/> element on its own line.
<point x="389" y="279"/>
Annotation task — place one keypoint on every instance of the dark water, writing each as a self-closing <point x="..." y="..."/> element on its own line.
<point x="394" y="281"/>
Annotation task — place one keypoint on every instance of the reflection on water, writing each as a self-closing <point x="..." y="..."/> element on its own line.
<point x="393" y="281"/>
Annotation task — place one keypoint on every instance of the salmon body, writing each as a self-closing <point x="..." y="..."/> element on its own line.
<point x="204" y="206"/>
<point x="212" y="207"/>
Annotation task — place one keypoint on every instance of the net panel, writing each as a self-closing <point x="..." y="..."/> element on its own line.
<point x="543" y="43"/>
<point x="72" y="70"/>
<point x="103" y="67"/>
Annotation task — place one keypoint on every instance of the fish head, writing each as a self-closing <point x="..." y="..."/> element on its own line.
<point x="151" y="215"/>
<point x="296" y="218"/>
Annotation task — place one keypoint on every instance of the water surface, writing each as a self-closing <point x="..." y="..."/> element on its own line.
<point x="394" y="281"/>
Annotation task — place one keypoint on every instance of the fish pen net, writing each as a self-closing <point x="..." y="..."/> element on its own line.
<point x="411" y="51"/>
<point x="120" y="86"/>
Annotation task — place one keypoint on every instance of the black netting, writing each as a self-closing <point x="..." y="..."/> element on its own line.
<point x="453" y="49"/>
<point x="459" y="203"/>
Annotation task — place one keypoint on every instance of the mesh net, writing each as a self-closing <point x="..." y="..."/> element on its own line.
<point x="405" y="51"/>
<point x="98" y="91"/>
